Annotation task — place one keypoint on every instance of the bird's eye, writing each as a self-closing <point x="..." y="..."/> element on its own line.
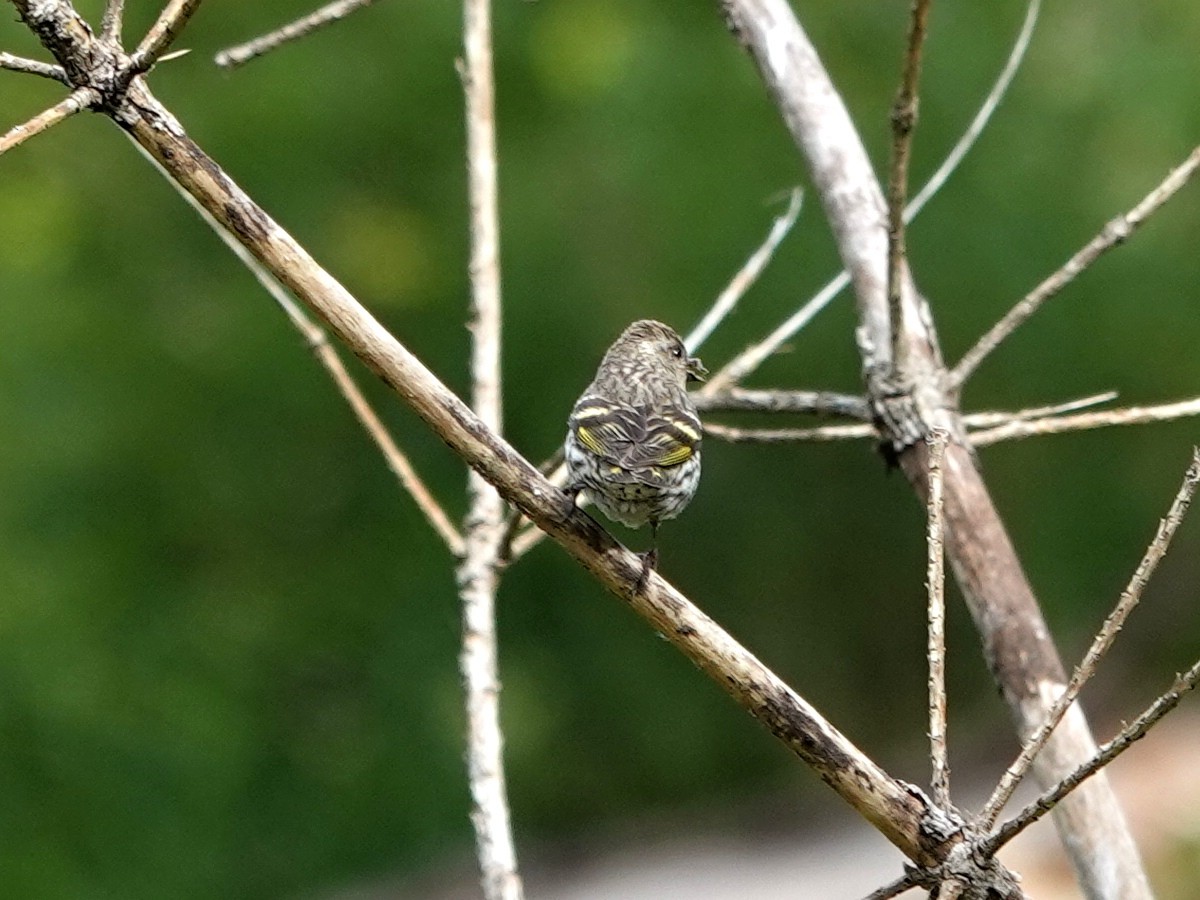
<point x="677" y="351"/>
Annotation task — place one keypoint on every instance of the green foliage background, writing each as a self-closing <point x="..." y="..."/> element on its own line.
<point x="228" y="642"/>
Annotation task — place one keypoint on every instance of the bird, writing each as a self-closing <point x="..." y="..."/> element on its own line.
<point x="633" y="437"/>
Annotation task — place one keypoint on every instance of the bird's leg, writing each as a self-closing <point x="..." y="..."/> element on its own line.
<point x="650" y="557"/>
<point x="571" y="494"/>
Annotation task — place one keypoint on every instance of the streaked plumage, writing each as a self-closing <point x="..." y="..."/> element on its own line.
<point x="633" y="438"/>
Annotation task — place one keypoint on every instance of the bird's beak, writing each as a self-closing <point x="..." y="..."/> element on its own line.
<point x="695" y="369"/>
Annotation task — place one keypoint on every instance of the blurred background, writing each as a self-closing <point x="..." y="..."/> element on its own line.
<point x="228" y="641"/>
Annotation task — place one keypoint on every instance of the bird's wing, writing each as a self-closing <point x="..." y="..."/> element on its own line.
<point x="635" y="437"/>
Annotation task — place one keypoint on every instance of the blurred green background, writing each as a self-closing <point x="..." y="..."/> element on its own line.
<point x="228" y="642"/>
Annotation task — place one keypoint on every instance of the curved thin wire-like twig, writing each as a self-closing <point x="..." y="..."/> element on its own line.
<point x="753" y="356"/>
<point x="746" y="276"/>
<point x="241" y="54"/>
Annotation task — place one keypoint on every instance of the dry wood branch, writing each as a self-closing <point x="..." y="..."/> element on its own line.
<point x="896" y="888"/>
<point x="1114" y="233"/>
<point x="904" y="120"/>
<point x="327" y="355"/>
<point x="981" y="420"/>
<point x="79" y="100"/>
<point x="330" y="12"/>
<point x="1133" y="732"/>
<point x="1133" y="415"/>
<point x="746" y="276"/>
<point x="1129" y="598"/>
<point x="33" y="67"/>
<point x="162" y="34"/>
<point x="484" y="528"/>
<point x="753" y="356"/>
<point x="114" y="17"/>
<point x="818" y="403"/>
<point x="789" y="435"/>
<point x="936" y="584"/>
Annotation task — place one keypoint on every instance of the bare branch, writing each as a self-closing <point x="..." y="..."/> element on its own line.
<point x="484" y="527"/>
<point x="33" y="67"/>
<point x="1134" y="415"/>
<point x="1129" y="598"/>
<point x="79" y="100"/>
<point x="789" y="435"/>
<point x="820" y="403"/>
<point x="753" y="356"/>
<point x="1133" y="732"/>
<point x="981" y="420"/>
<point x="330" y="12"/>
<point x="110" y="24"/>
<point x="747" y="275"/>
<point x="162" y="34"/>
<point x="1114" y="233"/>
<point x="327" y="355"/>
<point x="936" y="584"/>
<point x="904" y="120"/>
<point x="902" y="884"/>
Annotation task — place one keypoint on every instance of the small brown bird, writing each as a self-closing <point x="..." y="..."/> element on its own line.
<point x="633" y="438"/>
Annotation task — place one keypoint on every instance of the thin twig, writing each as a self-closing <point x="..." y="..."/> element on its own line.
<point x="980" y="420"/>
<point x="162" y="34"/>
<point x="318" y="340"/>
<point x="902" y="884"/>
<point x="33" y="67"/>
<point x="1134" y="415"/>
<point x="330" y="12"/>
<point x="753" y="356"/>
<point x="747" y="275"/>
<point x="1106" y="754"/>
<point x="1130" y="598"/>
<point x="1115" y="232"/>
<point x="936" y="584"/>
<point x="904" y="120"/>
<point x="79" y="100"/>
<point x="789" y="435"/>
<point x="818" y="403"/>
<point x="110" y="24"/>
<point x="484" y="528"/>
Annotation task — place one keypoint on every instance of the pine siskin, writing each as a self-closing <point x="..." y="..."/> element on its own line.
<point x="633" y="438"/>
